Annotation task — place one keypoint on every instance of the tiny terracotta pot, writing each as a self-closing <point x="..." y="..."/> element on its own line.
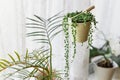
<point x="102" y="73"/>
<point x="82" y="31"/>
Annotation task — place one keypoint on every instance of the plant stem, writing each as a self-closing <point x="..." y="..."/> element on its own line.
<point x="50" y="61"/>
<point x="105" y="58"/>
<point x="50" y="46"/>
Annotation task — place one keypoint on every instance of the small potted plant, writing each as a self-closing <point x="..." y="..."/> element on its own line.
<point x="77" y="26"/>
<point x="81" y="23"/>
<point x="105" y="69"/>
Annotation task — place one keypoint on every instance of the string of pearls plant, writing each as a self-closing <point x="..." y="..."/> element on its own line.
<point x="76" y="17"/>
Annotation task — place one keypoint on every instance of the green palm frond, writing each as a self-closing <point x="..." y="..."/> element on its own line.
<point x="44" y="30"/>
<point x="18" y="56"/>
<point x="11" y="57"/>
<point x="38" y="61"/>
<point x="21" y="65"/>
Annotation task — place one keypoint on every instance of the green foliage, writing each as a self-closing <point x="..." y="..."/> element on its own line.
<point x="104" y="50"/>
<point x="82" y="17"/>
<point x="116" y="59"/>
<point x="33" y="65"/>
<point x="44" y="31"/>
<point x="76" y="17"/>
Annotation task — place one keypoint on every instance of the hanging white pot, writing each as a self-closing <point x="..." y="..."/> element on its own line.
<point x="82" y="31"/>
<point x="102" y="73"/>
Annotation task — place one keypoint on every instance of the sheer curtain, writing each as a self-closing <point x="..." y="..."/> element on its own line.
<point x="12" y="30"/>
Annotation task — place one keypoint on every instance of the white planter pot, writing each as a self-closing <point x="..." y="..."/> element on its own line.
<point x="116" y="75"/>
<point x="104" y="73"/>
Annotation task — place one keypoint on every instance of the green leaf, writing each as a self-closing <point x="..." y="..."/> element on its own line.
<point x="40" y="40"/>
<point x="11" y="57"/>
<point x="36" y="32"/>
<point x="18" y="56"/>
<point x="33" y="72"/>
<point x="4" y="60"/>
<point x="4" y="64"/>
<point x="28" y="35"/>
<point x="42" y="25"/>
<point x="40" y="18"/>
<point x="55" y="34"/>
<point x="57" y="18"/>
<point x="54" y="28"/>
<point x="42" y="52"/>
<point x="34" y="20"/>
<point x="26" y="55"/>
<point x="49" y="25"/>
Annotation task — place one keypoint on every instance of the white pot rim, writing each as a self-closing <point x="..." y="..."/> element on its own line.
<point x="115" y="65"/>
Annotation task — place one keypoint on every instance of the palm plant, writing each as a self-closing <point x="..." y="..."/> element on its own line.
<point x="33" y="65"/>
<point x="44" y="31"/>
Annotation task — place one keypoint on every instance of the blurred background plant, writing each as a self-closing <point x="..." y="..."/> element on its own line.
<point x="105" y="51"/>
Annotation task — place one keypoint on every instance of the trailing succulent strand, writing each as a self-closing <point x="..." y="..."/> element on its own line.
<point x="76" y="17"/>
<point x="66" y="41"/>
<point x="73" y="28"/>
